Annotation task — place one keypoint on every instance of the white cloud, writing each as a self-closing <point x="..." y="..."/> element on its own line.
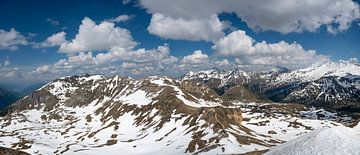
<point x="208" y="28"/>
<point x="53" y="22"/>
<point x="10" y="74"/>
<point x="299" y="16"/>
<point x="10" y="40"/>
<point x="121" y="18"/>
<point x="117" y="60"/>
<point x="54" y="40"/>
<point x="222" y="63"/>
<point x="126" y="1"/>
<point x="93" y="37"/>
<point x="234" y="43"/>
<point x="128" y="65"/>
<point x="7" y="63"/>
<point x="196" y="58"/>
<point x="42" y="69"/>
<point x="278" y="15"/>
<point x="7" y="72"/>
<point x="246" y="51"/>
<point x="195" y="61"/>
<point x="162" y="53"/>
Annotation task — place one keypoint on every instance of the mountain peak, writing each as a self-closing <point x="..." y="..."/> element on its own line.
<point x="279" y="69"/>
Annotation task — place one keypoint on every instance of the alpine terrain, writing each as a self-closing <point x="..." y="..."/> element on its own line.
<point x="205" y="112"/>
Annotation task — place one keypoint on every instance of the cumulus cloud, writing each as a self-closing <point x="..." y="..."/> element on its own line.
<point x="98" y="37"/>
<point x="234" y="43"/>
<point x="140" y="55"/>
<point x="42" y="69"/>
<point x="10" y="40"/>
<point x="222" y="63"/>
<point x="246" y="51"/>
<point x="207" y="28"/>
<point x="277" y="15"/>
<point x="54" y="40"/>
<point x="299" y="16"/>
<point x="196" y="58"/>
<point x="116" y="60"/>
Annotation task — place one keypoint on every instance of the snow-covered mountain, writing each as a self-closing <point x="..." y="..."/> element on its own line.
<point x="153" y="115"/>
<point x="217" y="78"/>
<point x="332" y="85"/>
<point x="325" y="68"/>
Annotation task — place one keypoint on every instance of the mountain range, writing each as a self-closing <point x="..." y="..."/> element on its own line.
<point x="327" y="84"/>
<point x="204" y="112"/>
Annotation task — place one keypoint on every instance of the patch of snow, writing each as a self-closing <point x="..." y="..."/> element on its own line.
<point x="89" y="78"/>
<point x="138" y="97"/>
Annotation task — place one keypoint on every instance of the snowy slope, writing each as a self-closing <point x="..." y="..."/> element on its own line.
<point x="327" y="141"/>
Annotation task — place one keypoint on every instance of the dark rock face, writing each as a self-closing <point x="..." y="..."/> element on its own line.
<point x="7" y="151"/>
<point x="243" y="94"/>
<point x="278" y="93"/>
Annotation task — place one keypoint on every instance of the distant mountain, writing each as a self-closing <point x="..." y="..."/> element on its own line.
<point x="332" y="85"/>
<point x="221" y="80"/>
<point x="7" y="97"/>
<point x="279" y="70"/>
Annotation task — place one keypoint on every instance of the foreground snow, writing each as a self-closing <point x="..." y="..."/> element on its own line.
<point x="336" y="140"/>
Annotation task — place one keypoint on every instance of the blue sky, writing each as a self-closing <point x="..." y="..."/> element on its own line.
<point x="182" y="27"/>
